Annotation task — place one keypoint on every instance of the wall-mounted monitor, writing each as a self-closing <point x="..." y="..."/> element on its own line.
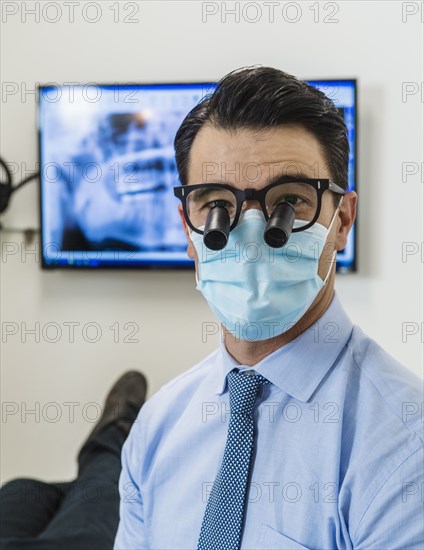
<point x="108" y="170"/>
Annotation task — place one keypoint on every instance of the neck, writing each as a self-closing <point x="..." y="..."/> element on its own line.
<point x="249" y="353"/>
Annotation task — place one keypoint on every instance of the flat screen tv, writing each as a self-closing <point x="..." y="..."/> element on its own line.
<point x="107" y="172"/>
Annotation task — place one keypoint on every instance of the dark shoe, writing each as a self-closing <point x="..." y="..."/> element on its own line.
<point x="123" y="402"/>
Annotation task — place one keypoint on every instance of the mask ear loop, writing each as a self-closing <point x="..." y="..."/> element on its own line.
<point x="335" y="214"/>
<point x="334" y="254"/>
<point x="195" y="268"/>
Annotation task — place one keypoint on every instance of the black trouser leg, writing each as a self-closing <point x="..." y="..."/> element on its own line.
<point x="27" y="506"/>
<point x="88" y="514"/>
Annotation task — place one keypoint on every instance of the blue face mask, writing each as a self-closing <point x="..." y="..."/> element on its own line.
<point x="256" y="291"/>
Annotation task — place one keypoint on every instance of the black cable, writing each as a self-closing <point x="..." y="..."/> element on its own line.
<point x="7" y="188"/>
<point x="8" y="172"/>
<point x="6" y="191"/>
<point x="25" y="180"/>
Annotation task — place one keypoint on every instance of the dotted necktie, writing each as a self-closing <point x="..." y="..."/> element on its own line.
<point x="222" y="523"/>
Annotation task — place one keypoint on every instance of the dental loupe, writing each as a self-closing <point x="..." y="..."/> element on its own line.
<point x="276" y="234"/>
<point x="217" y="228"/>
<point x="280" y="225"/>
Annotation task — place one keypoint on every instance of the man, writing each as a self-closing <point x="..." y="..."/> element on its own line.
<point x="299" y="431"/>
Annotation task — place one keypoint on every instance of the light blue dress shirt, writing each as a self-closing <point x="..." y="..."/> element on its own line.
<point x="338" y="459"/>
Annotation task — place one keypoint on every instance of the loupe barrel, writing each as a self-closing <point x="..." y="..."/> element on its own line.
<point x="217" y="228"/>
<point x="280" y="225"/>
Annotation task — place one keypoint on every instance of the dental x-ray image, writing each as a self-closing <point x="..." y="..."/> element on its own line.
<point x="108" y="171"/>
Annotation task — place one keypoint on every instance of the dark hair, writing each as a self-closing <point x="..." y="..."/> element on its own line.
<point x="262" y="97"/>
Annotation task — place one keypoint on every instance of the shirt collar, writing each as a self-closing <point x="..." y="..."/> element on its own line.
<point x="298" y="367"/>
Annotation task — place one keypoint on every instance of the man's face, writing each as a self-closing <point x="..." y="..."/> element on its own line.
<point x="251" y="159"/>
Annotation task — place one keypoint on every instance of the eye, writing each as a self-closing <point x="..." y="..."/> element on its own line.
<point x="294" y="200"/>
<point x="291" y="199"/>
<point x="218" y="202"/>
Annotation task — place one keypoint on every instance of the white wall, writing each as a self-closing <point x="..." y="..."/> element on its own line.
<point x="172" y="43"/>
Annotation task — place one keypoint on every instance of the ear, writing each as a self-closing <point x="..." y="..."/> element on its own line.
<point x="346" y="215"/>
<point x="190" y="247"/>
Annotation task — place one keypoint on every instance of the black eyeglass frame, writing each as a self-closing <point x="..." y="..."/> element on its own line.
<point x="319" y="184"/>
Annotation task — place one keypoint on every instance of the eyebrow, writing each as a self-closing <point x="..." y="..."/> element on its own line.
<point x="276" y="179"/>
<point x="298" y="176"/>
<point x="203" y="191"/>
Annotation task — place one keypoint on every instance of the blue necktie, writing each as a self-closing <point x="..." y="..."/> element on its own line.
<point x="223" y="520"/>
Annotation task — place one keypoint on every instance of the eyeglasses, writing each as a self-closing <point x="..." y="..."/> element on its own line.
<point x="303" y="194"/>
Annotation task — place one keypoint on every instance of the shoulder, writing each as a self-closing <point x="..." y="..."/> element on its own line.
<point x="382" y="442"/>
<point x="393" y="388"/>
<point x="160" y="411"/>
<point x="383" y="430"/>
<point x="185" y="384"/>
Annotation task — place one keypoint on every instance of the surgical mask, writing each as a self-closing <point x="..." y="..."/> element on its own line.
<point x="256" y="291"/>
